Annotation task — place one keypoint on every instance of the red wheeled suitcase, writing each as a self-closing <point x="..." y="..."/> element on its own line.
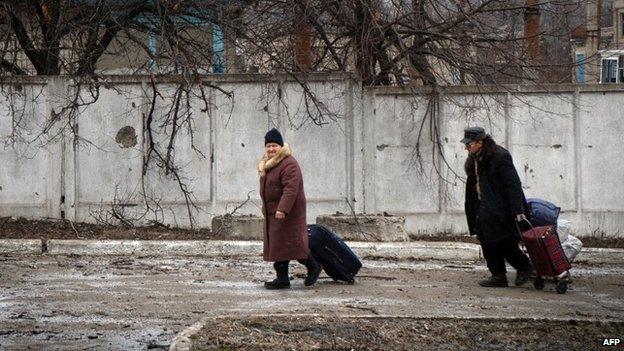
<point x="548" y="257"/>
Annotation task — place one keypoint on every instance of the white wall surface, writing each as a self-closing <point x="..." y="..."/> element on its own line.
<point x="566" y="144"/>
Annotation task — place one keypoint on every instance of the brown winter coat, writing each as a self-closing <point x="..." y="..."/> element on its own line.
<point x="281" y="189"/>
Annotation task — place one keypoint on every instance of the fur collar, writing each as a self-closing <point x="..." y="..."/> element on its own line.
<point x="267" y="163"/>
<point x="486" y="153"/>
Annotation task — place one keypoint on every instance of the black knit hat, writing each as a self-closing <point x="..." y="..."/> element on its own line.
<point x="273" y="136"/>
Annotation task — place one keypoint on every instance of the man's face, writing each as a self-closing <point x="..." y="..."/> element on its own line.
<point x="474" y="146"/>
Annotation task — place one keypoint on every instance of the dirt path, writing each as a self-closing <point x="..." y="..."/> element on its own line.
<point x="76" y="303"/>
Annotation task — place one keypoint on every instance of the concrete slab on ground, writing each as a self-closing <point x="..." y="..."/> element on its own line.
<point x="20" y="246"/>
<point x="594" y="255"/>
<point x="366" y="227"/>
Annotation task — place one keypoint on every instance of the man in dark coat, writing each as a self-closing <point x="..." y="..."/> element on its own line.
<point x="495" y="207"/>
<point x="284" y="211"/>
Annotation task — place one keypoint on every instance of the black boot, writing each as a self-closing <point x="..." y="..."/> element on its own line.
<point x="523" y="276"/>
<point x="495" y="281"/>
<point x="282" y="281"/>
<point x="314" y="270"/>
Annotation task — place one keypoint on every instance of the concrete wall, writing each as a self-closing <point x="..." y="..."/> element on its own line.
<point x="566" y="143"/>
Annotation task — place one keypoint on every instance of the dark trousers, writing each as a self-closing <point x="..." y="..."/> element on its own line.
<point x="498" y="252"/>
<point x="282" y="264"/>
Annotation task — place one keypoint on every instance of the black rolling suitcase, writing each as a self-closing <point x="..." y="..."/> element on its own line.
<point x="337" y="259"/>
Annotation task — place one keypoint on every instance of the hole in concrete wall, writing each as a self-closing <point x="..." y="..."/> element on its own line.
<point x="126" y="137"/>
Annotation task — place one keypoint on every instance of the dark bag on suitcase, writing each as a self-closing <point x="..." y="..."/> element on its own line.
<point x="336" y="258"/>
<point x="543" y="213"/>
<point x="544" y="248"/>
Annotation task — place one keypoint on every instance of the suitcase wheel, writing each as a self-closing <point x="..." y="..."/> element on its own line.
<point x="351" y="281"/>
<point x="561" y="287"/>
<point x="538" y="283"/>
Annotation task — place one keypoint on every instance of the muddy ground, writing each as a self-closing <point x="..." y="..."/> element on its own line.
<point x="20" y="228"/>
<point x="372" y="333"/>
<point x="141" y="303"/>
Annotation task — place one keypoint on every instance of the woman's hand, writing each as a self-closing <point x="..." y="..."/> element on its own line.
<point x="279" y="215"/>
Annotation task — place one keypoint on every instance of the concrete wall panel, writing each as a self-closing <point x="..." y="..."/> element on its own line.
<point x="602" y="156"/>
<point x="402" y="184"/>
<point x="192" y="149"/>
<point x="239" y="126"/>
<point x="30" y="171"/>
<point x="320" y="150"/>
<point x="543" y="147"/>
<point x="108" y="156"/>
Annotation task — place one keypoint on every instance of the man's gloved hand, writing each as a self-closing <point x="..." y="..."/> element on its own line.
<point x="523" y="222"/>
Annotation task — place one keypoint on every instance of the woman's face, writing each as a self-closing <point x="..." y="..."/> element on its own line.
<point x="272" y="149"/>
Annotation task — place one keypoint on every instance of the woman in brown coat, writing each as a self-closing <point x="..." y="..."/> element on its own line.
<point x="284" y="211"/>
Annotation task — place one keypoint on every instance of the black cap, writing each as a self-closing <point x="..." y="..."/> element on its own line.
<point x="473" y="134"/>
<point x="273" y="136"/>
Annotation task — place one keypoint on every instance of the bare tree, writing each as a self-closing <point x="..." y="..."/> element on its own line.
<point x="82" y="40"/>
<point x="391" y="42"/>
<point x="432" y="43"/>
<point x="422" y="42"/>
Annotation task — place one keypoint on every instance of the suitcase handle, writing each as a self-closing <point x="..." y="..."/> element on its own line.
<point x="526" y="221"/>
